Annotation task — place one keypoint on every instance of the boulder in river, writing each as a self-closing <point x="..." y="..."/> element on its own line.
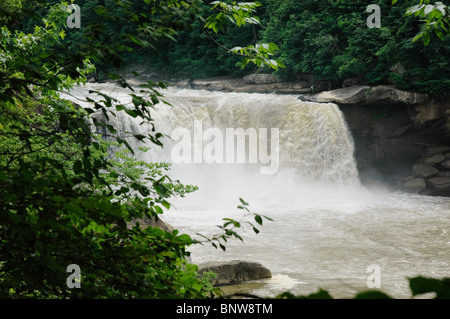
<point x="235" y="271"/>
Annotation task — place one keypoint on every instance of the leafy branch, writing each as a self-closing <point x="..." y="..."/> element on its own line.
<point x="241" y="14"/>
<point x="229" y="229"/>
<point x="436" y="19"/>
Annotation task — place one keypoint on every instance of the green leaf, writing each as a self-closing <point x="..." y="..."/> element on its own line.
<point x="158" y="210"/>
<point x="122" y="141"/>
<point x="243" y="202"/>
<point x="258" y="219"/>
<point x="268" y="218"/>
<point x="136" y="100"/>
<point x="135" y="40"/>
<point x="439" y="34"/>
<point x="428" y="8"/>
<point x="165" y="204"/>
<point x="100" y="10"/>
<point x="372" y="295"/>
<point x="321" y="294"/>
<point x="77" y="167"/>
<point x="422" y="285"/>
<point x="131" y="113"/>
<point x="417" y="37"/>
<point x="426" y="38"/>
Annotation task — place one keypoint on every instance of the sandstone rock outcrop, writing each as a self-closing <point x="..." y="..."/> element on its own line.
<point x="370" y="95"/>
<point x="261" y="78"/>
<point x="430" y="174"/>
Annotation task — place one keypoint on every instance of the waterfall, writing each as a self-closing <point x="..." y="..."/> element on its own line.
<point x="297" y="167"/>
<point x="278" y="132"/>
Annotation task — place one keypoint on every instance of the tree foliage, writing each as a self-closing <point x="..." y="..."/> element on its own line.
<point x="330" y="40"/>
<point x="436" y="18"/>
<point x="66" y="196"/>
<point x="440" y="288"/>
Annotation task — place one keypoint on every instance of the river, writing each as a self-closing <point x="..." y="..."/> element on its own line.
<point x="328" y="230"/>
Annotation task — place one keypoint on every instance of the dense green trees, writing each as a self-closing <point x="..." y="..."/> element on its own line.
<point x="331" y="40"/>
<point x="65" y="196"/>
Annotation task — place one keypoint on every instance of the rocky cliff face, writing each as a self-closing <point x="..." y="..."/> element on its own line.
<point x="395" y="130"/>
<point x="431" y="174"/>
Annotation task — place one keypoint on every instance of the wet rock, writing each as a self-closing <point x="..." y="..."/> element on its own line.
<point x="427" y="112"/>
<point x="350" y="82"/>
<point x="424" y="171"/>
<point x="387" y="130"/>
<point x="446" y="164"/>
<point x="349" y="95"/>
<point x="376" y="95"/>
<point x="261" y="79"/>
<point x="302" y="85"/>
<point x="387" y="95"/>
<point x="436" y="150"/>
<point x="435" y="159"/>
<point x="415" y="185"/>
<point x="444" y="174"/>
<point x="303" y="98"/>
<point x="155" y="222"/>
<point x="398" y="68"/>
<point x="235" y="271"/>
<point x="440" y="186"/>
<point x="152" y="222"/>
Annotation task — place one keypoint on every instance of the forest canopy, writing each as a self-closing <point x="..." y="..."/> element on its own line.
<point x="329" y="39"/>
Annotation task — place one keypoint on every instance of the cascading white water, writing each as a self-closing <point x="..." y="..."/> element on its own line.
<point x="314" y="140"/>
<point x="327" y="228"/>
